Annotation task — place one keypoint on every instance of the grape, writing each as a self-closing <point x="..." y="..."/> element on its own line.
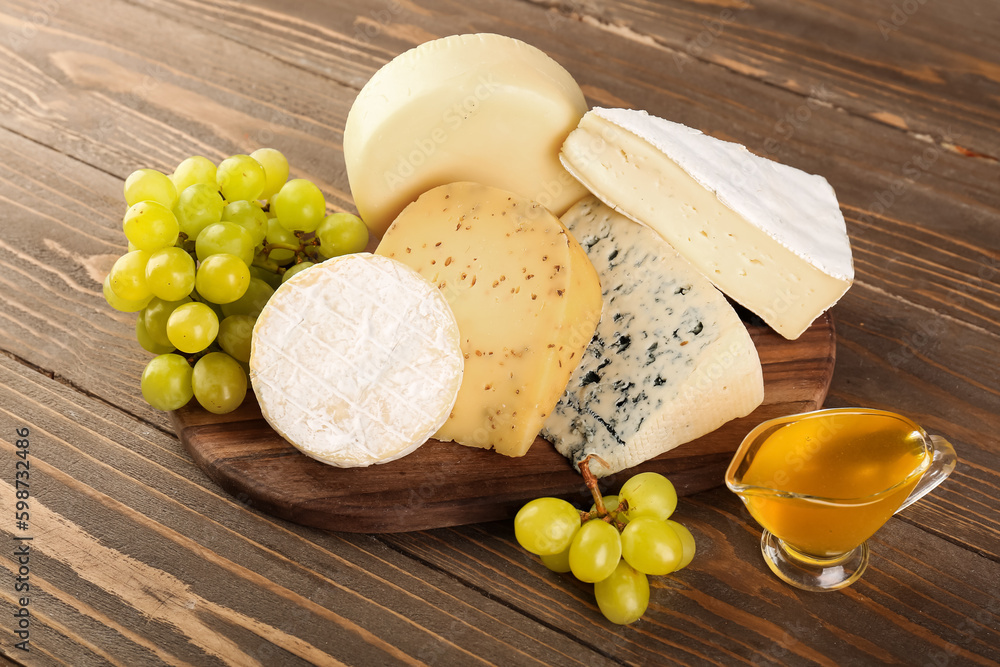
<point x="198" y="206"/>
<point x="341" y="234"/>
<point x="278" y="234"/>
<point x="150" y="226"/>
<point x="195" y="169"/>
<point x="120" y="304"/>
<point x="166" y="382"/>
<point x="155" y="318"/>
<point x="546" y="526"/>
<point x="557" y="562"/>
<point x="249" y="216"/>
<point x="225" y="238"/>
<point x="275" y="169"/>
<point x="128" y="277"/>
<point x="192" y="327"/>
<point x="298" y="268"/>
<point x="269" y="277"/>
<point x="222" y="278"/>
<point x="219" y="383"/>
<point x="595" y="551"/>
<point x="150" y="185"/>
<point x="253" y="300"/>
<point x="170" y="274"/>
<point x="649" y="494"/>
<point x="624" y="596"/>
<point x="240" y="177"/>
<point x="687" y="541"/>
<point x="651" y="546"/>
<point x="146" y="342"/>
<point x="299" y="206"/>
<point x="235" y="335"/>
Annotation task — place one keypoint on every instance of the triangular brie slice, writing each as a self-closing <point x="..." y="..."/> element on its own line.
<point x="770" y="236"/>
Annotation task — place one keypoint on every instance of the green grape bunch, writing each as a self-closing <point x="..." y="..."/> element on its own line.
<point x="207" y="247"/>
<point x="616" y="545"/>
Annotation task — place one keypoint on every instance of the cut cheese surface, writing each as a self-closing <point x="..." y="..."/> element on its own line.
<point x="356" y="360"/>
<point x="526" y="298"/>
<point x="770" y="236"/>
<point x="480" y="107"/>
<point x="670" y="361"/>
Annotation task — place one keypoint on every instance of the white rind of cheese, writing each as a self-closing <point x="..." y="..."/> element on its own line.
<point x="770" y="236"/>
<point x="670" y="361"/>
<point x="480" y="107"/>
<point x="356" y="361"/>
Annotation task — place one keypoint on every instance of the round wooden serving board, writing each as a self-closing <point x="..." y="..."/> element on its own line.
<point x="444" y="484"/>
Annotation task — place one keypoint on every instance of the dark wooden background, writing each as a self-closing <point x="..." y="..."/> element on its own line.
<point x="139" y="559"/>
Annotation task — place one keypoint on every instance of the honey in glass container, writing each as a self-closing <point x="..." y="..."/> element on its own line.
<point x="821" y="483"/>
<point x="863" y="465"/>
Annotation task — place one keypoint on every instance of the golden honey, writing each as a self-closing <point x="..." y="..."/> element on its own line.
<point x="826" y="482"/>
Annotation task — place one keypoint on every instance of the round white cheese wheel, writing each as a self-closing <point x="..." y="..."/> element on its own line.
<point x="483" y="108"/>
<point x="356" y="360"/>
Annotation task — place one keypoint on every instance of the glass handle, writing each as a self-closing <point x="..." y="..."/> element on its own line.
<point x="942" y="464"/>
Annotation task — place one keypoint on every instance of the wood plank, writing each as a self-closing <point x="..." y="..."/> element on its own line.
<point x="921" y="596"/>
<point x="137" y="556"/>
<point x="923" y="68"/>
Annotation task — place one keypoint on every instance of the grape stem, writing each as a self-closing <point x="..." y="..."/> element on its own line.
<point x="600" y="511"/>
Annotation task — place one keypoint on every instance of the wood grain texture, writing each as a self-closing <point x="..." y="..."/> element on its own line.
<point x="137" y="558"/>
<point x="87" y="94"/>
<point x="445" y="484"/>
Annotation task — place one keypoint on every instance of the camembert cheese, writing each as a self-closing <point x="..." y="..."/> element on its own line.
<point x="356" y="360"/>
<point x="770" y="236"/>
<point x="526" y="298"/>
<point x="670" y="361"/>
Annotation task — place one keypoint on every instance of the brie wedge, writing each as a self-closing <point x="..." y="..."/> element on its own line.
<point x="770" y="236"/>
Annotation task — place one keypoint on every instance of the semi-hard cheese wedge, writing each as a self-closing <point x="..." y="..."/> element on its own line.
<point x="770" y="236"/>
<point x="526" y="298"/>
<point x="356" y="360"/>
<point x="480" y="107"/>
<point x="670" y="361"/>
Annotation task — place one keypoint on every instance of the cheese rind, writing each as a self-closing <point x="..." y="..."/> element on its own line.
<point x="770" y="236"/>
<point x="670" y="360"/>
<point x="356" y="360"/>
<point x="481" y="107"/>
<point x="526" y="298"/>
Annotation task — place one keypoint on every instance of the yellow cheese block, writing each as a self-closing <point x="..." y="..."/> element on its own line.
<point x="480" y="107"/>
<point x="526" y="298"/>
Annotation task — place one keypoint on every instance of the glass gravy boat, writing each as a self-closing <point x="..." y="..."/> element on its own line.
<point x="821" y="483"/>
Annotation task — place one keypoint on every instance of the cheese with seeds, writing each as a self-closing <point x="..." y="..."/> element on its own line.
<point x="525" y="296"/>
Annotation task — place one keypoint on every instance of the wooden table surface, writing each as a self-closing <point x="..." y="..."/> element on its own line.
<point x="138" y="559"/>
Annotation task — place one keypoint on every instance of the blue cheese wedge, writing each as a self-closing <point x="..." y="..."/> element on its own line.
<point x="770" y="236"/>
<point x="670" y="361"/>
<point x="356" y="361"/>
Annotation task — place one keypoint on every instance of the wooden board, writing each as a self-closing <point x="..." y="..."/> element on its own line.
<point x="444" y="484"/>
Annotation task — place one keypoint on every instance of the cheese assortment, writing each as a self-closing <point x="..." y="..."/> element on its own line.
<point x="356" y="361"/>
<point x="770" y="236"/>
<point x="479" y="319"/>
<point x="670" y="360"/>
<point x="526" y="298"/>
<point x="482" y="107"/>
